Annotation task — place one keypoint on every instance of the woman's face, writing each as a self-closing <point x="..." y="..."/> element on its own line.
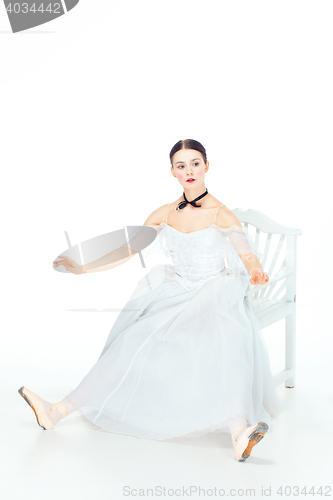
<point x="187" y="164"/>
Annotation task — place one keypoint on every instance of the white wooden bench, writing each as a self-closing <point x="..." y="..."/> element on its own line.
<point x="276" y="299"/>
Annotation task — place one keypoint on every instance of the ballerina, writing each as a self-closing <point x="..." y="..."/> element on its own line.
<point x="186" y="355"/>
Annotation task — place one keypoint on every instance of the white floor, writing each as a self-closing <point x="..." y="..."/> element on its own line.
<point x="77" y="460"/>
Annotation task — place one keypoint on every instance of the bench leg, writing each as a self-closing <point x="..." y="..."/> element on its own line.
<point x="290" y="348"/>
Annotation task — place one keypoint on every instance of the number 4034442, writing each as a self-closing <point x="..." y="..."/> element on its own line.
<point x="51" y="8"/>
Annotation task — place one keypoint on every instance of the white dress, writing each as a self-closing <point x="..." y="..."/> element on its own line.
<point x="186" y="352"/>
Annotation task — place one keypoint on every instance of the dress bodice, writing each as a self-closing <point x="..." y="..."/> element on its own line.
<point x="197" y="256"/>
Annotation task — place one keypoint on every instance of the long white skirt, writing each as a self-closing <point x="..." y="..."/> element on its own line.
<point x="180" y="362"/>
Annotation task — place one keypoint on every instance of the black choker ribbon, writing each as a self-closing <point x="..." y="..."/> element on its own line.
<point x="183" y="204"/>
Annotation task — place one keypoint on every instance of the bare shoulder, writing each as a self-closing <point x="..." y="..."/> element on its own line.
<point x="226" y="218"/>
<point x="158" y="216"/>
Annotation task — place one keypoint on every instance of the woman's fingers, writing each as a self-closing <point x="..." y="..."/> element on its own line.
<point x="62" y="263"/>
<point x="259" y="278"/>
<point x="64" y="259"/>
<point x="63" y="256"/>
<point x="66" y="265"/>
<point x="67" y="262"/>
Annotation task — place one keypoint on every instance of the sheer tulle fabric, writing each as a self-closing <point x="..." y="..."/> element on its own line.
<point x="186" y="353"/>
<point x="234" y="241"/>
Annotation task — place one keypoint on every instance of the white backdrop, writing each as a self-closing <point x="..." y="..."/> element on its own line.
<point x="91" y="105"/>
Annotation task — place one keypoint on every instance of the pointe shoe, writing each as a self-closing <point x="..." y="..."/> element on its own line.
<point x="36" y="404"/>
<point x="247" y="439"/>
<point x="235" y="435"/>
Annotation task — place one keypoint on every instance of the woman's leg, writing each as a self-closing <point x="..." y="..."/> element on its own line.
<point x="47" y="414"/>
<point x="236" y="426"/>
<point x="70" y="407"/>
<point x="236" y="423"/>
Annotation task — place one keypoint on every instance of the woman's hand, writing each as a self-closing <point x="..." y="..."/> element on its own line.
<point x="258" y="277"/>
<point x="69" y="264"/>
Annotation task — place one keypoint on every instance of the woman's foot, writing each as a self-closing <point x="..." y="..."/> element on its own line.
<point x="47" y="414"/>
<point x="244" y="441"/>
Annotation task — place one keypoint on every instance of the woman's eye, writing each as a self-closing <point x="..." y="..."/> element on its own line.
<point x="196" y="163"/>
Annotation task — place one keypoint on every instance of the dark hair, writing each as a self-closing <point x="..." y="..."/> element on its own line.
<point x="188" y="144"/>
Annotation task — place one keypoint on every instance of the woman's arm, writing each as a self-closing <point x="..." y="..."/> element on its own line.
<point x="110" y="260"/>
<point x="125" y="253"/>
<point x="227" y="218"/>
<point x="251" y="262"/>
<point x="116" y="257"/>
